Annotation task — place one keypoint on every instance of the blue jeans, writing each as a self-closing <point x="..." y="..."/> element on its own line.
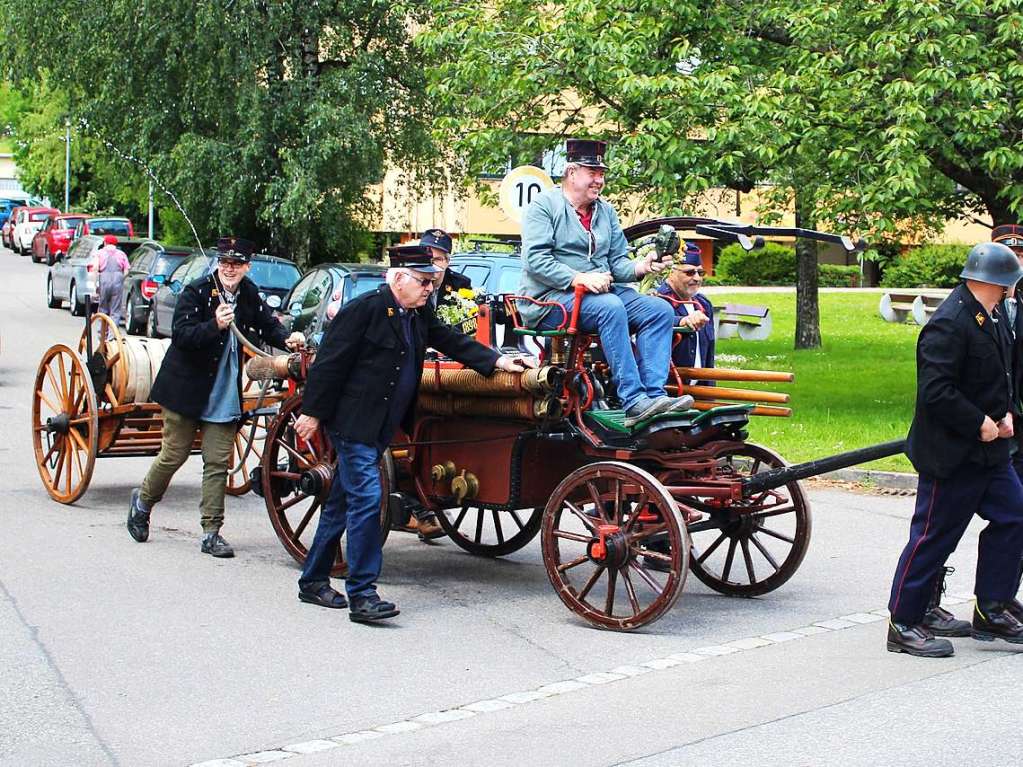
<point x="613" y="316"/>
<point x="353" y="504"/>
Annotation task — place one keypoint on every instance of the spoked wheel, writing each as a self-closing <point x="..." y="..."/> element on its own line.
<point x="488" y="532"/>
<point x="296" y="476"/>
<point x="247" y="452"/>
<point x="750" y="547"/>
<point x="65" y="424"/>
<point x="596" y="532"/>
<point x="108" y="346"/>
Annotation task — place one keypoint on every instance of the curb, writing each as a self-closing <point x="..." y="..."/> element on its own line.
<point x="891" y="480"/>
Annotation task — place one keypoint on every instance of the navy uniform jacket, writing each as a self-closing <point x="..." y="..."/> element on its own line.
<point x="189" y="369"/>
<point x="963" y="371"/>
<point x="684" y="353"/>
<point x="356" y="368"/>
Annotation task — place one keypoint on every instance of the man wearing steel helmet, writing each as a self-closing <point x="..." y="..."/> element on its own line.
<point x="960" y="444"/>
<point x="571" y="238"/>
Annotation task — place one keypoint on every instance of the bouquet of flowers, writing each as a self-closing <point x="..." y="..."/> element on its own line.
<point x="459" y="309"/>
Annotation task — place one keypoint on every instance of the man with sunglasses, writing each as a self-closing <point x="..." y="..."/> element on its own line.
<point x="362" y="388"/>
<point x="199" y="386"/>
<point x="571" y="238"/>
<point x="446" y="283"/>
<point x="696" y="318"/>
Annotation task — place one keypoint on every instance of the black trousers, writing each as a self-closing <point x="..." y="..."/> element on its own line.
<point x="944" y="508"/>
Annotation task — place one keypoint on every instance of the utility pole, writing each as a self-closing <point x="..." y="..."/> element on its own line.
<point x="150" y="208"/>
<point x="67" y="164"/>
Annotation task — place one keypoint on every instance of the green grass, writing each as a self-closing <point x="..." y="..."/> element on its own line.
<point x="858" y="389"/>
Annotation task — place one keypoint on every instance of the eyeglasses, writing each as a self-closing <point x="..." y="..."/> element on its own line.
<point x="440" y="260"/>
<point x="423" y="281"/>
<point x="231" y="262"/>
<point x="691" y="272"/>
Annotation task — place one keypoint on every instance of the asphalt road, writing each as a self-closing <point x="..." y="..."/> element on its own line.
<point x="116" y="653"/>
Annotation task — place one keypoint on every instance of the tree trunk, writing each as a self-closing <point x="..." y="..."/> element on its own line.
<point x="808" y="323"/>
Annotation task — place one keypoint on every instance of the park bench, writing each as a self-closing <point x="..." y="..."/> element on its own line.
<point x="752" y="323"/>
<point x="918" y="304"/>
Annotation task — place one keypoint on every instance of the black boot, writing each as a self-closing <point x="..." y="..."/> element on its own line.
<point x="916" y="640"/>
<point x="937" y="619"/>
<point x="993" y="620"/>
<point x="1015" y="607"/>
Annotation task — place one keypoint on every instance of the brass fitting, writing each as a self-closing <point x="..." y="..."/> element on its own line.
<point x="464" y="486"/>
<point x="442" y="471"/>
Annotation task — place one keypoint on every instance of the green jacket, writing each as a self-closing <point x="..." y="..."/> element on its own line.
<point x="555" y="248"/>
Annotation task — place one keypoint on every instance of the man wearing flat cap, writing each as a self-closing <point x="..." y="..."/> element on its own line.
<point x="571" y="237"/>
<point x="199" y="386"/>
<point x="361" y="389"/>
<point x="446" y="283"/>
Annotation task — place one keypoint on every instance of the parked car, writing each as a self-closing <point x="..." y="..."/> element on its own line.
<point x="8" y="226"/>
<point x="11" y="200"/>
<point x="273" y="276"/>
<point x="117" y="225"/>
<point x="74" y="275"/>
<point x="54" y="238"/>
<point x="28" y="222"/>
<point x="498" y="273"/>
<point x="323" y="290"/>
<point x="151" y="264"/>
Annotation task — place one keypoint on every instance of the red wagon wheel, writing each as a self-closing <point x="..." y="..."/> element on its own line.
<point x="488" y="532"/>
<point x="750" y="547"/>
<point x="296" y="476"/>
<point x="65" y="425"/>
<point x="596" y="529"/>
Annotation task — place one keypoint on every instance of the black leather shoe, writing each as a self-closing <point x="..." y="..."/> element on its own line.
<point x="324" y="596"/>
<point x="138" y="520"/>
<point x="942" y="623"/>
<point x="215" y="545"/>
<point x="371" y="608"/>
<point x="992" y="620"/>
<point x="1015" y="607"/>
<point x="916" y="640"/>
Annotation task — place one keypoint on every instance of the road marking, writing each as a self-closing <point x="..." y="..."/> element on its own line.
<point x="563" y="687"/>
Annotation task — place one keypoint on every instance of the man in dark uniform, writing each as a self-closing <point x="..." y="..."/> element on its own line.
<point x="200" y="383"/>
<point x="362" y="387"/>
<point x="959" y="443"/>
<point x="446" y="283"/>
<point x="696" y="348"/>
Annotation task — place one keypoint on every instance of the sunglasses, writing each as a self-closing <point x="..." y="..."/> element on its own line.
<point x="423" y="281"/>
<point x="691" y="271"/>
<point x="231" y="262"/>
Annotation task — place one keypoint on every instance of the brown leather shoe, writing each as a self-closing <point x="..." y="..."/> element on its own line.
<point x="917" y="640"/>
<point x="942" y="623"/>
<point x="429" y="528"/>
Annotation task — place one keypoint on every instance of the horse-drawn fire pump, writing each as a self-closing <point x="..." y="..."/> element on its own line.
<point x="623" y="513"/>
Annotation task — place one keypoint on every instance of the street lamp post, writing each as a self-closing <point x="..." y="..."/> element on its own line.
<point x="150" y="208"/>
<point x="67" y="165"/>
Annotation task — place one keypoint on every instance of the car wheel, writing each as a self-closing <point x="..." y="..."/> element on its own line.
<point x="72" y="300"/>
<point x="133" y="326"/>
<point x="51" y="301"/>
<point x="151" y="324"/>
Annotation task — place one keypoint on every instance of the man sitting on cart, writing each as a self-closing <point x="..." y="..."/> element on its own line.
<point x="693" y="311"/>
<point x="570" y="238"/>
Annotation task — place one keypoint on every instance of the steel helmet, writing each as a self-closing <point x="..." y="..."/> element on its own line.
<point x="993" y="263"/>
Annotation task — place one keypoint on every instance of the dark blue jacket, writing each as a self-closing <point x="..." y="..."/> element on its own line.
<point x="684" y="353"/>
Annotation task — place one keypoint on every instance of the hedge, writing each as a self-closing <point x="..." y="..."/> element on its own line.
<point x="930" y="266"/>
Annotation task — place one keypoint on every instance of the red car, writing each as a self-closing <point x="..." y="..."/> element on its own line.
<point x="52" y="241"/>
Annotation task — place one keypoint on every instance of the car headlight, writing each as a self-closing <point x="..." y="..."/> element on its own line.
<point x="273" y="301"/>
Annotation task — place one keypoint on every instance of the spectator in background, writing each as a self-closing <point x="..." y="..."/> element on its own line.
<point x="112" y="266"/>
<point x="446" y="283"/>
<point x="696" y="348"/>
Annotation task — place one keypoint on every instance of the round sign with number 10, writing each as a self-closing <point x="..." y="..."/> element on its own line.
<point x="520" y="187"/>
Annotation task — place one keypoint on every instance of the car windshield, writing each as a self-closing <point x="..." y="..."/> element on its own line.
<point x="40" y="215"/>
<point x="105" y="226"/>
<point x="366" y="283"/>
<point x="274" y="274"/>
<point x="66" y="223"/>
<point x="166" y="264"/>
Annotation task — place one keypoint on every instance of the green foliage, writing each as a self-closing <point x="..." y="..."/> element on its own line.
<point x="772" y="264"/>
<point x="270" y="120"/>
<point x="838" y="276"/>
<point x="930" y="266"/>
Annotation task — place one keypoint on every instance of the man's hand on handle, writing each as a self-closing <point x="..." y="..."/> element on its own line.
<point x="594" y="282"/>
<point x="515" y="364"/>
<point x="295" y="341"/>
<point x="224" y="316"/>
<point x="696" y="320"/>
<point x="651" y="264"/>
<point x="306" y="426"/>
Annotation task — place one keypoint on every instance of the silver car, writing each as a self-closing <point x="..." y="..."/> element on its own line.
<point x="74" y="275"/>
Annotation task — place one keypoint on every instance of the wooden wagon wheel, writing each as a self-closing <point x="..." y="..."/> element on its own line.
<point x="750" y="547"/>
<point x="296" y="476"/>
<point x="65" y="424"/>
<point x="247" y="453"/>
<point x="109" y="344"/>
<point x="595" y="529"/>
<point x="482" y="531"/>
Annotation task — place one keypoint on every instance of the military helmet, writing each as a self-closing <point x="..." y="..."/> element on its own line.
<point x="993" y="263"/>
